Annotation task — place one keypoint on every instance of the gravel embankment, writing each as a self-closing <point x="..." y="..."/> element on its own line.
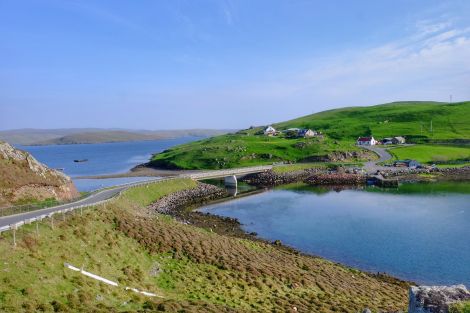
<point x="271" y="178"/>
<point x="184" y="198"/>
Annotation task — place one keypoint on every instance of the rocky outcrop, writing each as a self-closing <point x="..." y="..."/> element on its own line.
<point x="184" y="198"/>
<point x="23" y="179"/>
<point x="341" y="156"/>
<point x="436" y="299"/>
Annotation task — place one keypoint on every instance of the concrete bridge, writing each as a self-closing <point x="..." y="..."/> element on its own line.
<point x="228" y="172"/>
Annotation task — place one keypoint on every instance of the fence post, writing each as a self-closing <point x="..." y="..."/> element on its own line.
<point x="14" y="236"/>
<point x="37" y="228"/>
<point x="81" y="211"/>
<point x="52" y="221"/>
<point x="63" y="216"/>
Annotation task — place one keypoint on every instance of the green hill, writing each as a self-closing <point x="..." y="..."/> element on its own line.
<point x="413" y="120"/>
<point x="419" y="122"/>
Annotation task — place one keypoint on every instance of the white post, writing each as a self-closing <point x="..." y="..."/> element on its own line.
<point x="37" y="228"/>
<point x="52" y="221"/>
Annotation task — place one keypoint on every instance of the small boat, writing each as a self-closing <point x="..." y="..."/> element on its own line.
<point x="60" y="169"/>
<point x="80" y="161"/>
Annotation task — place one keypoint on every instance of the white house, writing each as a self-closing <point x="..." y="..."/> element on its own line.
<point x="307" y="133"/>
<point x="270" y="131"/>
<point x="366" y="141"/>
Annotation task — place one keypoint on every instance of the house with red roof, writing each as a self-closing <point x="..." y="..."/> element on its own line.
<point x="366" y="141"/>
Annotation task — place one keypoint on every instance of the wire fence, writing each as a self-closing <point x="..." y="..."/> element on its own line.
<point x="124" y="187"/>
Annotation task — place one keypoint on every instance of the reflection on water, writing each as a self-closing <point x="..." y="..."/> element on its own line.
<point x="231" y="190"/>
<point x="410" y="233"/>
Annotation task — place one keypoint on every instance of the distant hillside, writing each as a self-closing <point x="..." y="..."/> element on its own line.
<point x="417" y="121"/>
<point x="98" y="137"/>
<point x="95" y="135"/>
<point x="23" y="179"/>
<point x="430" y="122"/>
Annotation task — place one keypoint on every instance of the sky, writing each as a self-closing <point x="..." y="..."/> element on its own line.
<point x="155" y="64"/>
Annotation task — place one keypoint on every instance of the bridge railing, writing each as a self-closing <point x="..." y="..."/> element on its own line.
<point x="40" y="217"/>
<point x="195" y="176"/>
<point x="229" y="172"/>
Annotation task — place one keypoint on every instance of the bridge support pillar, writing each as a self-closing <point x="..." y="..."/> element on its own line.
<point x="231" y="181"/>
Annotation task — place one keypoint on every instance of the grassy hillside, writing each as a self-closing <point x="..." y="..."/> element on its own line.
<point x="245" y="150"/>
<point x="341" y="127"/>
<point x="98" y="137"/>
<point x="409" y="119"/>
<point x="194" y="269"/>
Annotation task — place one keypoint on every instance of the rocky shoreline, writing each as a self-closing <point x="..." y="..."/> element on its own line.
<point x="179" y="200"/>
<point x="309" y="176"/>
<point x="343" y="176"/>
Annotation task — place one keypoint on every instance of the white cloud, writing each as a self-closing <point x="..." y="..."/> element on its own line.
<point x="432" y="63"/>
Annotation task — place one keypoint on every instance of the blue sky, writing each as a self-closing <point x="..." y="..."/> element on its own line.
<point x="222" y="64"/>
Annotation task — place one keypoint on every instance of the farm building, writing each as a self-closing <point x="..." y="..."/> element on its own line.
<point x="366" y="141"/>
<point x="299" y="132"/>
<point x="393" y="140"/>
<point x="407" y="163"/>
<point x="270" y="131"/>
<point x="398" y="140"/>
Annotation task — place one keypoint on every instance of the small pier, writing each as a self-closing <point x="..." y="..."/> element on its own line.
<point x="380" y="181"/>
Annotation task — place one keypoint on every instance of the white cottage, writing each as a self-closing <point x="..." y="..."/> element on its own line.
<point x="366" y="141"/>
<point x="270" y="131"/>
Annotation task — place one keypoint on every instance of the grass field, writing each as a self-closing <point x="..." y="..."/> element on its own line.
<point x="194" y="269"/>
<point x="430" y="154"/>
<point x="341" y="127"/>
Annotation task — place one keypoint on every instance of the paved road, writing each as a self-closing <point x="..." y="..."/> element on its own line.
<point x="372" y="167"/>
<point x="109" y="193"/>
<point x="92" y="199"/>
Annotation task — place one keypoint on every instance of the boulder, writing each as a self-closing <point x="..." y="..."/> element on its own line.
<point x="436" y="299"/>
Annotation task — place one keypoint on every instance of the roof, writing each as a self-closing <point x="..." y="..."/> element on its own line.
<point x="364" y="138"/>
